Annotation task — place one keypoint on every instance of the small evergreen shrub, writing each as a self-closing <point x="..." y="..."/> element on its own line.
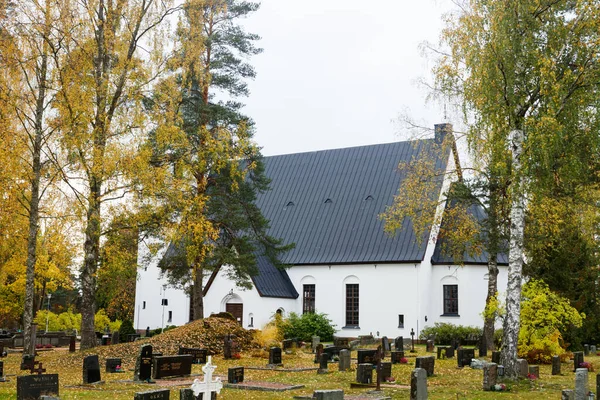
<point x="126" y="328"/>
<point x="444" y="333"/>
<point x="305" y="326"/>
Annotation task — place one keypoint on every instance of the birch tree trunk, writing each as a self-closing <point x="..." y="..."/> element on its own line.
<point x="515" y="260"/>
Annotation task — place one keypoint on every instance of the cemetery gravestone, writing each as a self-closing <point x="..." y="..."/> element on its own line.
<point x="344" y="363"/>
<point x="364" y="373"/>
<point x="567" y="394"/>
<point x="534" y="370"/>
<point x="482" y="347"/>
<point x="328" y="395"/>
<point x="332" y="351"/>
<point x="275" y="356"/>
<point x="581" y="384"/>
<point x="2" y="351"/>
<point x="577" y="360"/>
<point x="166" y="366"/>
<point x="399" y="343"/>
<point x="426" y="363"/>
<point x="555" y="365"/>
<point x="396" y="356"/>
<point x="465" y="356"/>
<point x="586" y="349"/>
<point x="341" y="342"/>
<point x="593" y="349"/>
<point x="27" y="361"/>
<point x="143" y="364"/>
<point x="1" y="371"/>
<point x="287" y="344"/>
<point x="112" y="363"/>
<point x="91" y="369"/>
<point x="318" y="352"/>
<point x="227" y="344"/>
<point x="430" y="346"/>
<point x="365" y="339"/>
<point x="315" y="342"/>
<point x="496" y="357"/>
<point x="115" y="337"/>
<point x="323" y="369"/>
<point x="188" y="394"/>
<point x="490" y="374"/>
<point x="597" y="384"/>
<point x="72" y="340"/>
<point x="385" y="345"/>
<point x="162" y="394"/>
<point x="441" y="352"/>
<point x="522" y="367"/>
<point x="198" y="355"/>
<point x="386" y="370"/>
<point x="235" y="375"/>
<point x="207" y="388"/>
<point x="449" y="352"/>
<point x="34" y="386"/>
<point x="366" y="356"/>
<point x="418" y="384"/>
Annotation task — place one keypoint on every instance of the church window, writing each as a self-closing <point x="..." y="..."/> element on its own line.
<point x="400" y="320"/>
<point x="450" y="299"/>
<point x="165" y="302"/>
<point x="143" y="305"/>
<point x="352" y="305"/>
<point x="308" y="304"/>
<point x="170" y="316"/>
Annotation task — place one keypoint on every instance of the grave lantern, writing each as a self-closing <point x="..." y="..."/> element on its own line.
<point x="412" y="339"/>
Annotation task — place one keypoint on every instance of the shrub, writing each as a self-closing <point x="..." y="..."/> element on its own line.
<point x="126" y="328"/>
<point x="444" y="333"/>
<point x="268" y="336"/>
<point x="307" y="325"/>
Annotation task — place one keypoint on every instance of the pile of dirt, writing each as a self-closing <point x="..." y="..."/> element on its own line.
<point x="207" y="333"/>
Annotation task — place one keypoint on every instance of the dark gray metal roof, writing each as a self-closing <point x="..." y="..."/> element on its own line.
<point x="273" y="282"/>
<point x="328" y="203"/>
<point x="441" y="257"/>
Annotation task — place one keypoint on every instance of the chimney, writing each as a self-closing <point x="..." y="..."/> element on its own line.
<point x="441" y="130"/>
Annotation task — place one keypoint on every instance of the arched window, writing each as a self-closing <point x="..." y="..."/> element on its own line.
<point x="450" y="295"/>
<point x="351" y="290"/>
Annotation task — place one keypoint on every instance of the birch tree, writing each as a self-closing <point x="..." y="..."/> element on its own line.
<point x="521" y="70"/>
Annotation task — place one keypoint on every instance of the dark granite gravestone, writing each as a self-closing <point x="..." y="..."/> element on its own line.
<point x="188" y="394"/>
<point x="464" y="357"/>
<point x="115" y="337"/>
<point x="427" y="363"/>
<point x="72" y="341"/>
<point x="323" y="368"/>
<point x="490" y="375"/>
<point x="162" y="394"/>
<point x="341" y="342"/>
<point x="496" y="357"/>
<point x="556" y="365"/>
<point x="385" y="345"/>
<point x="441" y="352"/>
<point x="27" y="361"/>
<point x="143" y="364"/>
<point x="399" y="343"/>
<point x="364" y="373"/>
<point x="534" y="370"/>
<point x="482" y="347"/>
<point x="586" y="349"/>
<point x="33" y="387"/>
<point x="199" y="355"/>
<point x="332" y="351"/>
<point x="131" y="337"/>
<point x="235" y="375"/>
<point x="344" y="361"/>
<point x="112" y="363"/>
<point x="449" y="351"/>
<point x="275" y="356"/>
<point x="91" y="369"/>
<point x="597" y="383"/>
<point x="318" y="352"/>
<point x="287" y="344"/>
<point x="577" y="360"/>
<point x="386" y="370"/>
<point x="430" y="346"/>
<point x="166" y="366"/>
<point x="227" y="345"/>
<point x="1" y="370"/>
<point x="2" y="353"/>
<point x="366" y="356"/>
<point x="396" y="356"/>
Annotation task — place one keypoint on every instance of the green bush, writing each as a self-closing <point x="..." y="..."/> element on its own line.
<point x="126" y="328"/>
<point x="307" y="325"/>
<point x="444" y="333"/>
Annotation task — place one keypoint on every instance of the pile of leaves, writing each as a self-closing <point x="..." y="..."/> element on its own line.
<point x="207" y="333"/>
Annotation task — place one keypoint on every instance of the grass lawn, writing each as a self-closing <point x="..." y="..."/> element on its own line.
<point x="448" y="383"/>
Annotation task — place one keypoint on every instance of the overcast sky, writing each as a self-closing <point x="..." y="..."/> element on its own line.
<point x="337" y="73"/>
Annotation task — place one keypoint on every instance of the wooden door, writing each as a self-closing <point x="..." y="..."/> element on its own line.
<point x="237" y="310"/>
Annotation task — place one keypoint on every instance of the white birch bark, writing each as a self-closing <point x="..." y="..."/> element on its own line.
<point x="515" y="260"/>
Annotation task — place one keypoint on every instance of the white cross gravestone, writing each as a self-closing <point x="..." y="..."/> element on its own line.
<point x="208" y="386"/>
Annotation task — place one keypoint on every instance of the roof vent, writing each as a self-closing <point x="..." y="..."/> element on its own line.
<point x="328" y="201"/>
<point x="290" y="204"/>
<point x="369" y="198"/>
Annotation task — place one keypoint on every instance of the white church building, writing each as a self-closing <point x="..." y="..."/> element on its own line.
<point x="344" y="265"/>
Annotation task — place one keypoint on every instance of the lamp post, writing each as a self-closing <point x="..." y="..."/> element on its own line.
<point x="412" y="339"/>
<point x="162" y="327"/>
<point x="48" y="313"/>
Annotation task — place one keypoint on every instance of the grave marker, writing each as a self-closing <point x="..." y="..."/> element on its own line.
<point x="386" y="370"/>
<point x="112" y="363"/>
<point x="426" y="363"/>
<point x="275" y="356"/>
<point x="332" y="351"/>
<point x="227" y="345"/>
<point x="567" y="394"/>
<point x="399" y="343"/>
<point x="235" y="375"/>
<point x="341" y="342"/>
<point x="328" y="394"/>
<point x="522" y="367"/>
<point x="72" y="341"/>
<point x="27" y="362"/>
<point x="166" y="366"/>
<point x="91" y="369"/>
<point x="482" y="347"/>
<point x="396" y="356"/>
<point x="318" y="352"/>
<point x="418" y="384"/>
<point x="162" y="394"/>
<point x="315" y="342"/>
<point x="490" y="374"/>
<point x="441" y="352"/>
<point x="208" y="388"/>
<point x="430" y="346"/>
<point x="586" y="349"/>
<point x="577" y="360"/>
<point x="1" y="371"/>
<point x="496" y="357"/>
<point x="199" y="355"/>
<point x="581" y="384"/>
<point x="465" y="356"/>
<point x="593" y="349"/>
<point x="366" y="356"/>
<point x="534" y="370"/>
<point x="34" y="386"/>
<point x="385" y="345"/>
<point x="287" y="344"/>
<point x="364" y="373"/>
<point x="344" y="362"/>
<point x="323" y="368"/>
<point x="143" y="364"/>
<point x="449" y="352"/>
<point x="555" y="365"/>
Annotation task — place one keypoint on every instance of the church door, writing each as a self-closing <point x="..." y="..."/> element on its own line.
<point x="237" y="310"/>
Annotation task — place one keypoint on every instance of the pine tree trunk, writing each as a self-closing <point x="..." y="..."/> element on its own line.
<point x="515" y="261"/>
<point x="34" y="206"/>
<point x="488" y="324"/>
<point x="197" y="296"/>
<point x="90" y="266"/>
